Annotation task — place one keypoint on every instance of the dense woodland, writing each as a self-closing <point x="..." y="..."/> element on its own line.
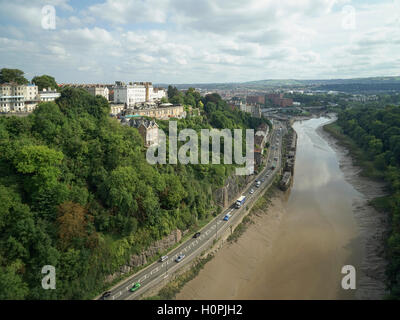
<point x="377" y="132"/>
<point x="76" y="192"/>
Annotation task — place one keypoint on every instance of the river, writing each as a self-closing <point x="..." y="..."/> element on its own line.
<point x="297" y="249"/>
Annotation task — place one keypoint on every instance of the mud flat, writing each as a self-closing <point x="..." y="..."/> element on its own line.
<point x="373" y="225"/>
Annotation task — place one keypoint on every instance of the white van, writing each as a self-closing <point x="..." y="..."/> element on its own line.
<point x="163" y="258"/>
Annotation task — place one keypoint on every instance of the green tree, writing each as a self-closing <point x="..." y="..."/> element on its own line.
<point x="164" y="100"/>
<point x="45" y="81"/>
<point x="177" y="99"/>
<point x="189" y="99"/>
<point x="12" y="286"/>
<point x="12" y="75"/>
<point x="39" y="164"/>
<point x="172" y="91"/>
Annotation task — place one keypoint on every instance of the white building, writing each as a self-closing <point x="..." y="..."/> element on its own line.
<point x="18" y="98"/>
<point x="137" y="92"/>
<point x="98" y="90"/>
<point x="116" y="108"/>
<point x="129" y="94"/>
<point x="156" y="94"/>
<point x="48" y="95"/>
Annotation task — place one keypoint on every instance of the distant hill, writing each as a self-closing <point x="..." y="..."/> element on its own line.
<point x="371" y="84"/>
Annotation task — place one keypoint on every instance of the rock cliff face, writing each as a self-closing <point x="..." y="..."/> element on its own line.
<point x="138" y="260"/>
<point x="222" y="197"/>
<point x="232" y="189"/>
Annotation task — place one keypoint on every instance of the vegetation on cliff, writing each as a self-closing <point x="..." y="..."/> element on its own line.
<point x="77" y="193"/>
<point x="375" y="142"/>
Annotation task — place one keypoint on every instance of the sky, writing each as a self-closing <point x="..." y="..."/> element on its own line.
<point x="200" y="41"/>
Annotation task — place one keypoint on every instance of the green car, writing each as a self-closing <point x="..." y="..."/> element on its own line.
<point x="135" y="287"/>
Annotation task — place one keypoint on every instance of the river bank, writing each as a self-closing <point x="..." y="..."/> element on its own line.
<point x="295" y="248"/>
<point x="373" y="225"/>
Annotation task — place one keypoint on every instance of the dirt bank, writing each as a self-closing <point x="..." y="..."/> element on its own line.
<point x="373" y="225"/>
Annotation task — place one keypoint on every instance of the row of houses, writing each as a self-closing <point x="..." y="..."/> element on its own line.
<point x="128" y="94"/>
<point x="162" y="111"/>
<point x="23" y="97"/>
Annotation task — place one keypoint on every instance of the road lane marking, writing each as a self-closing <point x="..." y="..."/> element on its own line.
<point x="154" y="270"/>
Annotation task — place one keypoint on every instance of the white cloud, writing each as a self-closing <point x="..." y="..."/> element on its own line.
<point x="201" y="41"/>
<point x="130" y="11"/>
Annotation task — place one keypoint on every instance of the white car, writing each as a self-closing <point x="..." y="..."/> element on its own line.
<point x="251" y="191"/>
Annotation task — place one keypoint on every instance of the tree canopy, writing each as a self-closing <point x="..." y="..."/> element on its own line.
<point x="12" y="75"/>
<point x="376" y="130"/>
<point x="45" y="82"/>
<point x="77" y="193"/>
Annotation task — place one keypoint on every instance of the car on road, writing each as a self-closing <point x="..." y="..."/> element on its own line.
<point x="180" y="258"/>
<point x="196" y="235"/>
<point x="136" y="286"/>
<point x="263" y="179"/>
<point x="105" y="295"/>
<point x="251" y="191"/>
<point x="227" y="216"/>
<point x="163" y="258"/>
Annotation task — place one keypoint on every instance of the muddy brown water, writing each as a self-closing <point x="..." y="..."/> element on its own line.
<point x="297" y="249"/>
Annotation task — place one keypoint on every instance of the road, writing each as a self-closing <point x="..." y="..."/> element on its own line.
<point x="193" y="247"/>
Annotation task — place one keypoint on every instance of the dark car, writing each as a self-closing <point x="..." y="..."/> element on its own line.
<point x="105" y="295"/>
<point x="197" y="234"/>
